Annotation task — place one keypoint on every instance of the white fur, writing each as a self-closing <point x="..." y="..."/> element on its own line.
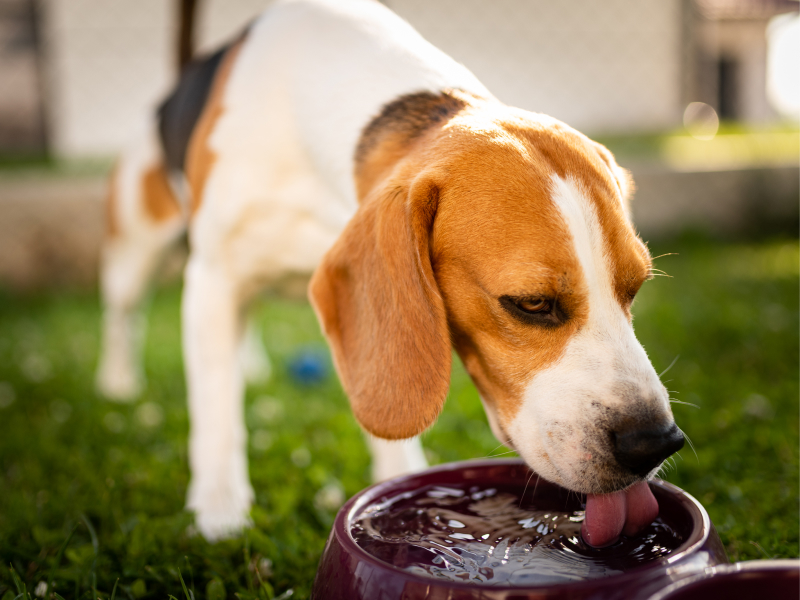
<point x="128" y="263"/>
<point x="220" y="491"/>
<point x="602" y="358"/>
<point x="310" y="76"/>
<point x="392" y="458"/>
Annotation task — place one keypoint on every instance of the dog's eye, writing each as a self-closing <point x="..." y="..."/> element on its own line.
<point x="534" y="306"/>
<point x="534" y="311"/>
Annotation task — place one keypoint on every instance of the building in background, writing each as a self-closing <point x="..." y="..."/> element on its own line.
<point x="22" y="119"/>
<point x="729" y="38"/>
<point x="79" y="76"/>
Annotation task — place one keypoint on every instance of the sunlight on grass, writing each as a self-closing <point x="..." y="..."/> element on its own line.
<point x="114" y="476"/>
<point x="732" y="151"/>
<point x="735" y="146"/>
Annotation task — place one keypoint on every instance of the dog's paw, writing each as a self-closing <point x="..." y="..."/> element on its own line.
<point x="118" y="384"/>
<point x="221" y="509"/>
<point x="215" y="525"/>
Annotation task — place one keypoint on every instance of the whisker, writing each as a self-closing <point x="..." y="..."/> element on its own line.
<point x="535" y="486"/>
<point x="691" y="445"/>
<point x="501" y="454"/>
<point x="663" y="255"/>
<point x="569" y="495"/>
<point x="671" y="401"/>
<point x="672" y="364"/>
<point x="496" y="448"/>
<point x="526" y="488"/>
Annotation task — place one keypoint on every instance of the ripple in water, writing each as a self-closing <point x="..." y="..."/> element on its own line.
<point x="495" y="536"/>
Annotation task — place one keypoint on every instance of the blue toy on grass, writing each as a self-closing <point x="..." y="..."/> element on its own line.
<point x="309" y="366"/>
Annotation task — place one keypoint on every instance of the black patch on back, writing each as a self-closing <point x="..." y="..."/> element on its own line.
<point x="179" y="113"/>
<point x="409" y="116"/>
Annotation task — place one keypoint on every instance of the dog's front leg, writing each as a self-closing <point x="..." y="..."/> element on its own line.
<point x="391" y="458"/>
<point x="219" y="493"/>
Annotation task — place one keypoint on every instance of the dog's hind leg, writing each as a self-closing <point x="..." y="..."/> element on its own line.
<point x="253" y="357"/>
<point x="219" y="493"/>
<point x="144" y="220"/>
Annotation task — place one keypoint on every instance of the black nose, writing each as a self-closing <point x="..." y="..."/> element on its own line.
<point x="642" y="450"/>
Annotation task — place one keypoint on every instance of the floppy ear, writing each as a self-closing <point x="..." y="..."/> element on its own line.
<point x="380" y="308"/>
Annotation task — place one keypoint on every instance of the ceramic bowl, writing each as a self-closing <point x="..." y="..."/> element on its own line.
<point x="346" y="572"/>
<point x="773" y="579"/>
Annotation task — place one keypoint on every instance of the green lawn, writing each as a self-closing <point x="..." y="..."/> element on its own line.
<point x="114" y="476"/>
<point x="734" y="146"/>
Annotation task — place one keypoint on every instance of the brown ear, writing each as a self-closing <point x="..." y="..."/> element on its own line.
<point x="380" y="308"/>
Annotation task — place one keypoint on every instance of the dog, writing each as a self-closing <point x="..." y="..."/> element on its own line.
<point x="332" y="139"/>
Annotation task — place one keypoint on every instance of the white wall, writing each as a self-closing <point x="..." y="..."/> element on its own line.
<point x="106" y="64"/>
<point x="110" y="62"/>
<point x="596" y="65"/>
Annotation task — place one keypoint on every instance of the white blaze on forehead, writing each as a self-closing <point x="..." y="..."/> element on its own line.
<point x="556" y="430"/>
<point x="587" y="237"/>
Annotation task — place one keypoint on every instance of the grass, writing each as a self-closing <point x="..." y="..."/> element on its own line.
<point x="91" y="493"/>
<point x="735" y="146"/>
<point x="27" y="166"/>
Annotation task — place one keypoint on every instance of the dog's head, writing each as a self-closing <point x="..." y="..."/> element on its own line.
<point x="505" y="235"/>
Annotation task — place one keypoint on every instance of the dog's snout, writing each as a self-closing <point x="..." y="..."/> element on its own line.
<point x="642" y="450"/>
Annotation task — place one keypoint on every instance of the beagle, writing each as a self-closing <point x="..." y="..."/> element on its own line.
<point x="332" y="138"/>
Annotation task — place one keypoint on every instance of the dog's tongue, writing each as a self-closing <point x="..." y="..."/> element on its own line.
<point x="608" y="515"/>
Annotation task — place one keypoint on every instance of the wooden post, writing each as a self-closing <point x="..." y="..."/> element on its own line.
<point x="188" y="11"/>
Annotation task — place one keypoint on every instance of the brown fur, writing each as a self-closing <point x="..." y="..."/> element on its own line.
<point x="388" y="137"/>
<point x="160" y="203"/>
<point x="376" y="296"/>
<point x="453" y="217"/>
<point x="200" y="158"/>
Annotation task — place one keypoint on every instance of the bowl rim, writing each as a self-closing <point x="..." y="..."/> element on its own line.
<point x="358" y="502"/>
<point x="728" y="571"/>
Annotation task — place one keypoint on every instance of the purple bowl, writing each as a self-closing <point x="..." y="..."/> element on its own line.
<point x="347" y="572"/>
<point x="772" y="579"/>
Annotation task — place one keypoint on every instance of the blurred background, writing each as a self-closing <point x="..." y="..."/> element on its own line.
<point x="700" y="99"/>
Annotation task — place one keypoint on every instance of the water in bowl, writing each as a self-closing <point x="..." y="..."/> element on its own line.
<point x="497" y="536"/>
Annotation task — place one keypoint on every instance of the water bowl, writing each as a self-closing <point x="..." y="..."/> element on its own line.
<point x="773" y="579"/>
<point x="495" y="531"/>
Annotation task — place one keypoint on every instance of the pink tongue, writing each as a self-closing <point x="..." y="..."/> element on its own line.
<point x="608" y="515"/>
